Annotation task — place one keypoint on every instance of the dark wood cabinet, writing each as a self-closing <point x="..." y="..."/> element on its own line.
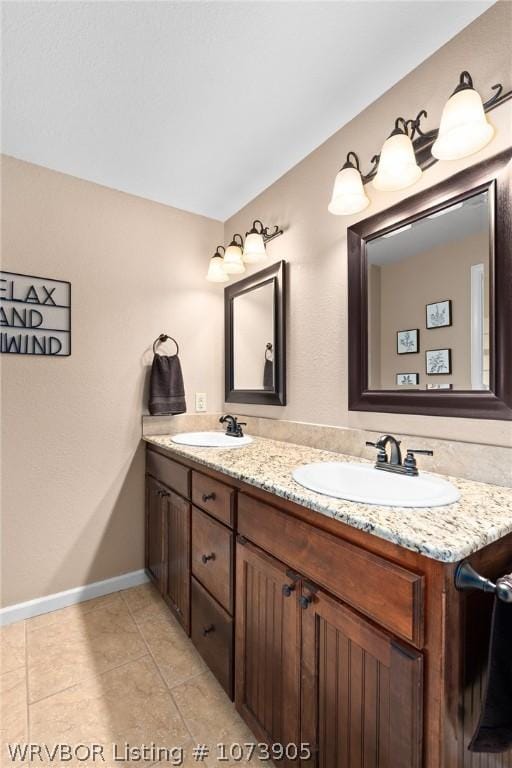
<point x="350" y="644"/>
<point x="154" y="532"/>
<point x="312" y="671"/>
<point x="267" y="674"/>
<point x="176" y="585"/>
<point x="361" y="690"/>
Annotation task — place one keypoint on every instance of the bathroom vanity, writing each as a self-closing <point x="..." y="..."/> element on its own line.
<point x="330" y="623"/>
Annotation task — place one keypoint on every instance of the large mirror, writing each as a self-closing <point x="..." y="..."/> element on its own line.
<point x="254" y="325"/>
<point x="429" y="315"/>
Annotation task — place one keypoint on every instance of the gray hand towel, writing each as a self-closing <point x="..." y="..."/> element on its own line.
<point x="166" y="388"/>
<point x="494" y="731"/>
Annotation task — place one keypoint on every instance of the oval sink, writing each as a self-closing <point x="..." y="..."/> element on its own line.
<point x="210" y="440"/>
<point x="367" y="485"/>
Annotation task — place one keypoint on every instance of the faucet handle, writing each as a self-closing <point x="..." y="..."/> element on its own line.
<point x="410" y="459"/>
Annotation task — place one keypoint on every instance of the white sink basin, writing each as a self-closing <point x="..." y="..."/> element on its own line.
<point x="367" y="485"/>
<point x="211" y="440"/>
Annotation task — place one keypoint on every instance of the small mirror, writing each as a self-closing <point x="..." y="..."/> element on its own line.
<point x="254" y="316"/>
<point x="428" y="301"/>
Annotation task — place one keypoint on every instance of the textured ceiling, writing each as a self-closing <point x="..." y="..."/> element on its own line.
<point x="201" y="105"/>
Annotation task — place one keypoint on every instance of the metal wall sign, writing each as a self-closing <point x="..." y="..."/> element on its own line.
<point x="35" y="315"/>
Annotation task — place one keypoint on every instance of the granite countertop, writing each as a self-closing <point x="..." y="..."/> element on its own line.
<point x="448" y="534"/>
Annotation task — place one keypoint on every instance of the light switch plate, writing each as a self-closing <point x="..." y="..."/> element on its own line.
<point x="200" y="402"/>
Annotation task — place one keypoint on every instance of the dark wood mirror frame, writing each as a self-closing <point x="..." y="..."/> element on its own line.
<point x="493" y="175"/>
<point x="275" y="274"/>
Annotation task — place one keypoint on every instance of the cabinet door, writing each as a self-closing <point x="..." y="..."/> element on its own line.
<point x="361" y="690"/>
<point x="267" y="641"/>
<point x="177" y="556"/>
<point x="154" y="532"/>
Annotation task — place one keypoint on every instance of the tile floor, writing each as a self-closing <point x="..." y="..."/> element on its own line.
<point x="109" y="671"/>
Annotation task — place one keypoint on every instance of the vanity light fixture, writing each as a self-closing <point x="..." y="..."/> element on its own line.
<point x="233" y="257"/>
<point x="232" y="260"/>
<point x="254" y="246"/>
<point x="464" y="127"/>
<point x="397" y="168"/>
<point x="216" y="271"/>
<point x="348" y="195"/>
<point x="409" y="149"/>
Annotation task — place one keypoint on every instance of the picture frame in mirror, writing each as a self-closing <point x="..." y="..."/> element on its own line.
<point x="438" y="362"/>
<point x="438" y="314"/>
<point x="407" y="379"/>
<point x="408" y="342"/>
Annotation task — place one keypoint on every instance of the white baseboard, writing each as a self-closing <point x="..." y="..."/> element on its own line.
<point x="58" y="600"/>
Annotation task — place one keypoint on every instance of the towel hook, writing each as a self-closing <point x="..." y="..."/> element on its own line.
<point x="164" y="337"/>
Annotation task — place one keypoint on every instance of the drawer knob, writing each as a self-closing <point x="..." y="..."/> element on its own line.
<point x="288" y="589"/>
<point x="305" y="601"/>
<point x="205" y="558"/>
<point x="207" y="630"/>
<point x="208" y="496"/>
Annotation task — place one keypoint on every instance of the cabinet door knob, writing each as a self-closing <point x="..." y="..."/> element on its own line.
<point x="164" y="493"/>
<point x="288" y="589"/>
<point x="305" y="601"/>
<point x="205" y="558"/>
<point x="208" y="496"/>
<point x="207" y="630"/>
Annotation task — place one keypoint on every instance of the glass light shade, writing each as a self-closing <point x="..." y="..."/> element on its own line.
<point x="397" y="164"/>
<point x="464" y="128"/>
<point x="254" y="248"/>
<point x="348" y="195"/>
<point x="233" y="263"/>
<point x="216" y="271"/>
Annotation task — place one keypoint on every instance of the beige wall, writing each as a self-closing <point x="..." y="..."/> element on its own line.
<point x="72" y="461"/>
<point x="406" y="287"/>
<point x="314" y="243"/>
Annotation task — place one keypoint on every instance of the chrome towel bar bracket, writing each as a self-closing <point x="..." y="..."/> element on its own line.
<point x="467" y="578"/>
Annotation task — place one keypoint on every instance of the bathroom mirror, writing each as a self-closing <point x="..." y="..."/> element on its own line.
<point x="430" y="312"/>
<point x="255" y="338"/>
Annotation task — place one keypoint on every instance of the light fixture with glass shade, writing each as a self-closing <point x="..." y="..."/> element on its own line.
<point x="348" y="195"/>
<point x="216" y="271"/>
<point x="397" y="167"/>
<point x="254" y="246"/>
<point x="464" y="127"/>
<point x="233" y="257"/>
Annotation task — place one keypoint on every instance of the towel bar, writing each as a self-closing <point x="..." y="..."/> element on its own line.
<point x="467" y="578"/>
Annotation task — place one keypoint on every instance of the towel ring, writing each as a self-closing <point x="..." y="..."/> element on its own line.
<point x="164" y="337"/>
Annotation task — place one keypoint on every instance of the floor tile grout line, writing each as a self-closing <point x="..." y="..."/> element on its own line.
<point x="160" y="673"/>
<point x="93" y="676"/>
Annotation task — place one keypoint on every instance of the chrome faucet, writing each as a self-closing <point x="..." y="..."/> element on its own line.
<point x="394" y="463"/>
<point x="234" y="428"/>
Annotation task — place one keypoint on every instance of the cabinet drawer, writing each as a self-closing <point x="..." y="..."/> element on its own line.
<point x="212" y="557"/>
<point x="387" y="593"/>
<point x="212" y="634"/>
<point x="169" y="472"/>
<point x="214" y="497"/>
